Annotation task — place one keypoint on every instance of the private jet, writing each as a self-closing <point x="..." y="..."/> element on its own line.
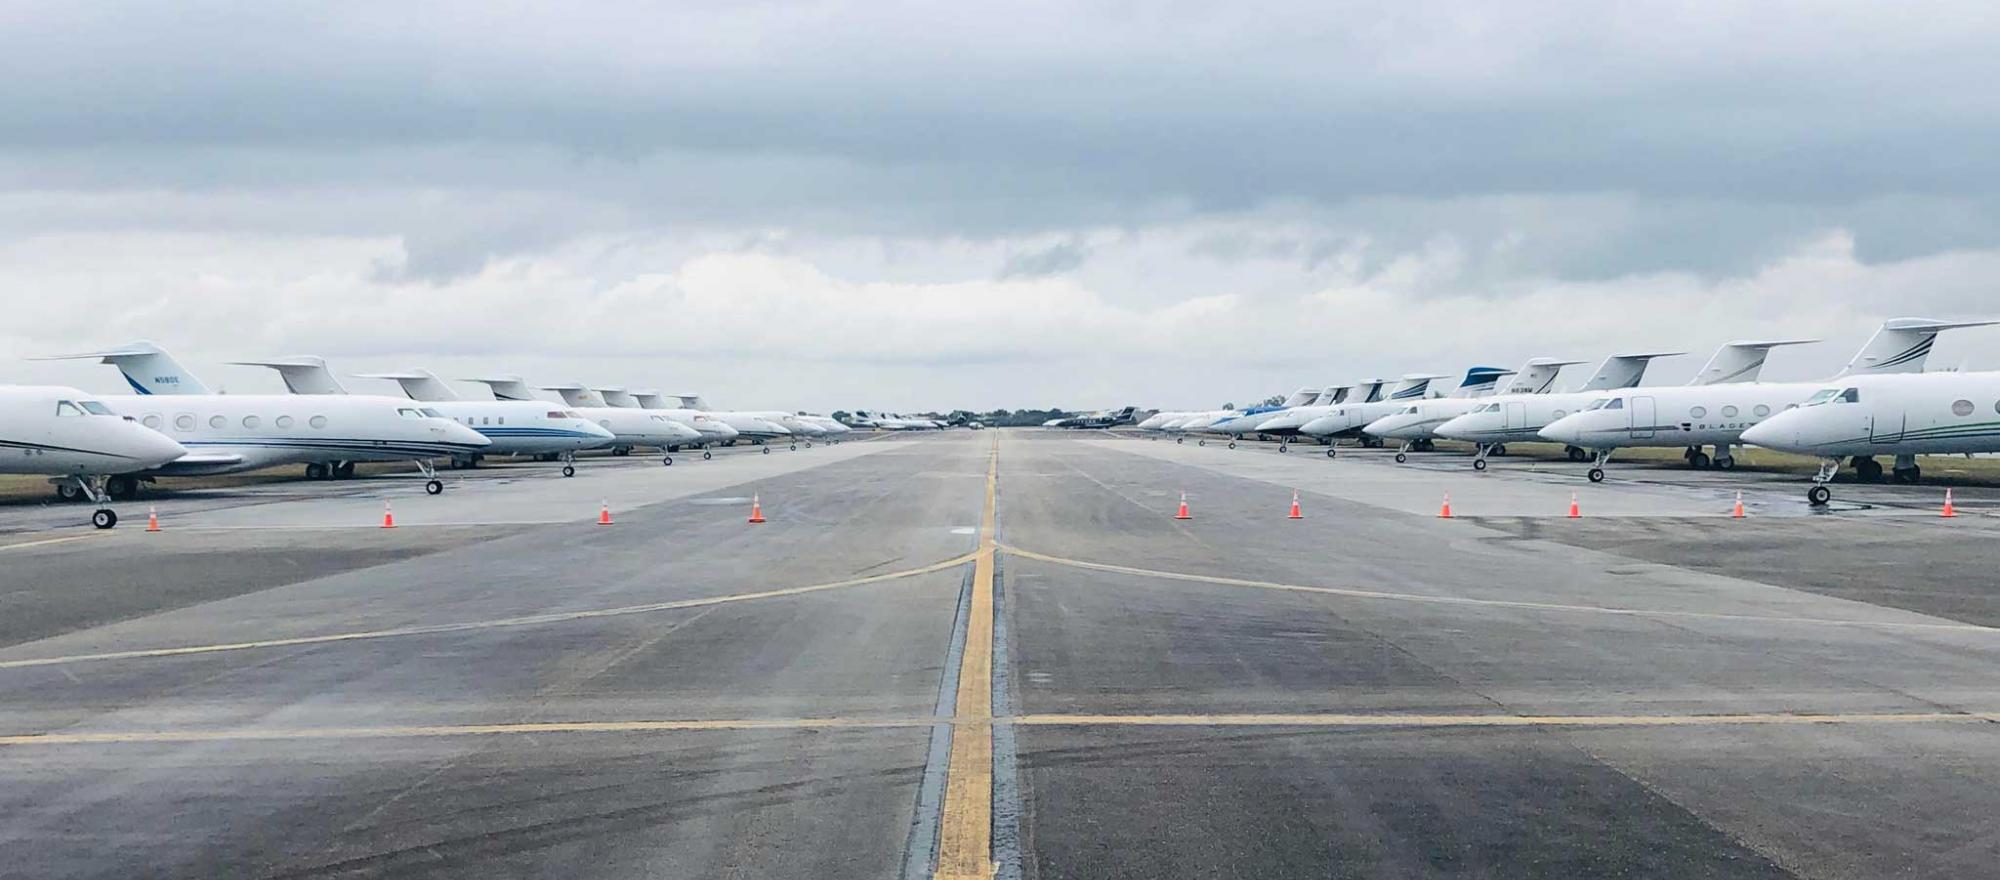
<point x="1693" y="416"/>
<point x="1901" y="415"/>
<point x="77" y="441"/>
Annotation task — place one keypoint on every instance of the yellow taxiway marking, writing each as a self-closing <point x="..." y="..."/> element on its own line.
<point x="980" y="728"/>
<point x="47" y="541"/>
<point x="965" y="825"/>
<point x="1488" y="603"/>
<point x="528" y="620"/>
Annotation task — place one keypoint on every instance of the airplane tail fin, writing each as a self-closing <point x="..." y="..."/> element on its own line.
<point x="1301" y="397"/>
<point x="617" y="396"/>
<point x="1331" y="395"/>
<point x="1623" y="370"/>
<point x="304" y="374"/>
<point x="1901" y="346"/>
<point x="574" y="394"/>
<point x="1415" y="386"/>
<point x="1537" y="376"/>
<point x="650" y="400"/>
<point x="1366" y="391"/>
<point x="1480" y="381"/>
<point x="506" y="387"/>
<point x="1741" y="361"/>
<point x="146" y="367"/>
<point x="692" y="401"/>
<point x="417" y="384"/>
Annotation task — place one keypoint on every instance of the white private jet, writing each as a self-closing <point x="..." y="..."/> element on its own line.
<point x="1247" y="421"/>
<point x="534" y="428"/>
<point x="1692" y="416"/>
<point x="1348" y="419"/>
<point x="230" y="433"/>
<point x="1519" y="419"/>
<point x="1292" y="422"/>
<point x="892" y="422"/>
<point x="77" y="441"/>
<point x="1901" y="415"/>
<point x="712" y="430"/>
<point x="1413" y="424"/>
<point x="629" y="427"/>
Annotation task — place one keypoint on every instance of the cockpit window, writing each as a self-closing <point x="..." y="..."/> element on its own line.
<point x="65" y="408"/>
<point x="1410" y="411"/>
<point x="431" y="413"/>
<point x="1597" y="404"/>
<point x="1851" y="395"/>
<point x="409" y="413"/>
<point x="556" y="414"/>
<point x="572" y="414"/>
<point x="1821" y="396"/>
<point x="95" y="408"/>
<point x="1615" y="403"/>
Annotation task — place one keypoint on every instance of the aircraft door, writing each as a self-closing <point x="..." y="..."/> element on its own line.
<point x="1643" y="418"/>
<point x="1886" y="428"/>
<point x="1514" y="416"/>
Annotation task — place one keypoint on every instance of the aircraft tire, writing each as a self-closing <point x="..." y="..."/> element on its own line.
<point x="795" y="447"/>
<point x="569" y="470"/>
<point x="764" y="449"/>
<point x="1726" y="462"/>
<point x="1232" y="444"/>
<point x="1818" y="496"/>
<point x="315" y="471"/>
<point x="1400" y="458"/>
<point x="1330" y="451"/>
<point x="1699" y="460"/>
<point x="1596" y="475"/>
<point x="1479" y="464"/>
<point x="121" y="487"/>
<point x="706" y="455"/>
<point x="434" y="487"/>
<point x="69" y="492"/>
<point x="104" y="518"/>
<point x="666" y="461"/>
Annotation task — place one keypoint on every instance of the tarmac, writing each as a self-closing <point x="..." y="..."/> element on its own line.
<point x="996" y="653"/>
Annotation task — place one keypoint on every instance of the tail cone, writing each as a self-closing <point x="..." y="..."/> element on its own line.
<point x="756" y="509"/>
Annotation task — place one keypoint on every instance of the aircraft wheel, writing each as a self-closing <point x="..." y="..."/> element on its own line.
<point x="345" y="469"/>
<point x="1201" y="442"/>
<point x="1818" y="496"/>
<point x="1908" y="477"/>
<point x="121" y="487"/>
<point x="809" y="444"/>
<point x="1869" y="470"/>
<point x="621" y="450"/>
<point x="569" y="470"/>
<point x="1330" y="451"/>
<point x="1400" y="458"/>
<point x="1698" y="460"/>
<point x="315" y="471"/>
<point x="1281" y="448"/>
<point x="706" y="455"/>
<point x="1232" y="444"/>
<point x="1726" y="462"/>
<point x="666" y="461"/>
<point x="69" y="492"/>
<point x="1479" y="464"/>
<point x="795" y="447"/>
<point x="1498" y="449"/>
<point x="104" y="518"/>
<point x="434" y="487"/>
<point x="764" y="449"/>
<point x="1596" y="475"/>
<point x="1576" y="453"/>
<point x="1180" y="439"/>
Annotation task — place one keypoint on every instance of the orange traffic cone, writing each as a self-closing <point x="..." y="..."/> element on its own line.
<point x="388" y="516"/>
<point x="604" y="514"/>
<point x="1738" y="512"/>
<point x="1948" y="509"/>
<point x="756" y="509"/>
<point x="152" y="519"/>
<point x="1295" y="514"/>
<point x="1183" y="512"/>
<point x="1445" y="511"/>
<point x="1574" y="511"/>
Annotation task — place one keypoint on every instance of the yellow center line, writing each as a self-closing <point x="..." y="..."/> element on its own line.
<point x="529" y="620"/>
<point x="965" y="826"/>
<point x="47" y="541"/>
<point x="981" y="727"/>
<point x="1487" y="603"/>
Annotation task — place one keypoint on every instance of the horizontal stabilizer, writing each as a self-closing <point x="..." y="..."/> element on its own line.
<point x="417" y="384"/>
<point x="1623" y="370"/>
<point x="1740" y="361"/>
<point x="303" y="374"/>
<point x="146" y="367"/>
<point x="1902" y="345"/>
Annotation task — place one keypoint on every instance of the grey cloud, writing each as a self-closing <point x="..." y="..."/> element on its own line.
<point x="1056" y="259"/>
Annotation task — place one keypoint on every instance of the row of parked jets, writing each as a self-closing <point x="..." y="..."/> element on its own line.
<point x="1882" y="403"/>
<point x="101" y="447"/>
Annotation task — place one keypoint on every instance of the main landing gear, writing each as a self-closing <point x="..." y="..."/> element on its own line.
<point x="1696" y="458"/>
<point x="1576" y="453"/>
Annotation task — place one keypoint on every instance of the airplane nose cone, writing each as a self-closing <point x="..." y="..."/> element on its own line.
<point x="462" y="435"/>
<point x="1770" y="436"/>
<point x="1564" y="430"/>
<point x="597" y="430"/>
<point x="158" y="449"/>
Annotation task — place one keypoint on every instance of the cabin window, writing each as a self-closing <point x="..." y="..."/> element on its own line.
<point x="65" y="408"/>
<point x="317" y="421"/>
<point x="251" y="422"/>
<point x="1961" y="407"/>
<point x="1561" y="413"/>
<point x="501" y="420"/>
<point x="153" y="420"/>
<point x="184" y="422"/>
<point x="1729" y="412"/>
<point x="217" y="421"/>
<point x="1760" y="410"/>
<point x="1698" y="411"/>
<point x="284" y="421"/>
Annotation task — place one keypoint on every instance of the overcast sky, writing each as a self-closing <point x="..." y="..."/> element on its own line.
<point x="836" y="205"/>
